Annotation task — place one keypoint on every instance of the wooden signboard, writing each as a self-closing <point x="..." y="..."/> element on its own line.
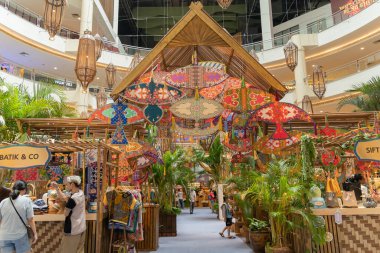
<point x="16" y="157"/>
<point x="368" y="150"/>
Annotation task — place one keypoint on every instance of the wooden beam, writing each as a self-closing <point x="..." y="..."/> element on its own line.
<point x="147" y="61"/>
<point x="230" y="59"/>
<point x="163" y="61"/>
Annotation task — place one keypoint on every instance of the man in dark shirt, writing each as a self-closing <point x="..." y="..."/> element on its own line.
<point x="4" y="193"/>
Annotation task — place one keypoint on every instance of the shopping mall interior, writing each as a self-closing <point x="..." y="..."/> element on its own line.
<point x="191" y="122"/>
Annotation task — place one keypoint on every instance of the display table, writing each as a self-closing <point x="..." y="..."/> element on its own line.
<point x="358" y="232"/>
<point x="50" y="231"/>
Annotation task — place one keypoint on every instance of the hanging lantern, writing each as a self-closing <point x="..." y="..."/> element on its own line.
<point x="319" y="85"/>
<point x="307" y="105"/>
<point x="111" y="75"/>
<point x="291" y="55"/>
<point x="224" y="3"/>
<point x="101" y="98"/>
<point x="85" y="67"/>
<point x="136" y="60"/>
<point x="54" y="10"/>
<point x="99" y="46"/>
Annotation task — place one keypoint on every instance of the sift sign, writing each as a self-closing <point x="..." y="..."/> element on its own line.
<point x="16" y="157"/>
<point x="368" y="150"/>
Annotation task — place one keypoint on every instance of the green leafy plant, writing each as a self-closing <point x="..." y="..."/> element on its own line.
<point x="258" y="225"/>
<point x="369" y="97"/>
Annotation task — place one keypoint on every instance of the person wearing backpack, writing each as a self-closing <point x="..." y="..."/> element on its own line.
<point x="227" y="215"/>
<point x="16" y="218"/>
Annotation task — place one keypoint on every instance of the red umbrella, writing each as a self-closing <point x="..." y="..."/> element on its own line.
<point x="279" y="113"/>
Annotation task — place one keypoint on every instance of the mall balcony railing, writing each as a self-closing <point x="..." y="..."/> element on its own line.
<point x="318" y="26"/>
<point x="345" y="70"/>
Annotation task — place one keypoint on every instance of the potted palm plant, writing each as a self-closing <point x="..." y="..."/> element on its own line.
<point x="281" y="193"/>
<point x="259" y="234"/>
<point x="165" y="178"/>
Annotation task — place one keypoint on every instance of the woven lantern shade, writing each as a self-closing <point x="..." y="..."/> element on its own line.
<point x="85" y="67"/>
<point x="111" y="75"/>
<point x="291" y="55"/>
<point x="307" y="105"/>
<point x="101" y="98"/>
<point x="99" y="46"/>
<point x="54" y="10"/>
<point x="224" y="3"/>
<point x="319" y="85"/>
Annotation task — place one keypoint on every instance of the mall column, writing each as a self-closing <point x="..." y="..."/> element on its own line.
<point x="86" y="15"/>
<point x="300" y="72"/>
<point x="266" y="23"/>
<point x="115" y="22"/>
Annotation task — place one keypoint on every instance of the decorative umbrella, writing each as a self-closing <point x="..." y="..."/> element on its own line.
<point x="153" y="95"/>
<point x="241" y="145"/>
<point x="267" y="145"/>
<point x="229" y="83"/>
<point x="107" y="112"/>
<point x="279" y="113"/>
<point x="196" y="108"/>
<point x="193" y="76"/>
<point x="245" y="99"/>
<point x="196" y="131"/>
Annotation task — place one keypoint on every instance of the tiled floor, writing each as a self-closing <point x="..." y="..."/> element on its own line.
<point x="199" y="233"/>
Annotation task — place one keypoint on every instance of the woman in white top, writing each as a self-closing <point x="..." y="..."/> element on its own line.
<point x="13" y="233"/>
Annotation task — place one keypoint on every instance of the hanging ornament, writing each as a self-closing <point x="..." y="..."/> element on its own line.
<point x="54" y="10"/>
<point x="99" y="46"/>
<point x="224" y="4"/>
<point x="85" y="66"/>
<point x="111" y="75"/>
<point x="319" y="85"/>
<point x="291" y="55"/>
<point x="101" y="98"/>
<point x="307" y="105"/>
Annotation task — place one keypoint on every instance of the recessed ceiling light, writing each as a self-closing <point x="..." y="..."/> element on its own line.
<point x="321" y="111"/>
<point x="362" y="48"/>
<point x="76" y="15"/>
<point x="55" y="68"/>
<point x="24" y="54"/>
<point x="97" y="78"/>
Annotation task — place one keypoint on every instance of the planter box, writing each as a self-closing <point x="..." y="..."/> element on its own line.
<point x="168" y="224"/>
<point x="151" y="228"/>
<point x="258" y="241"/>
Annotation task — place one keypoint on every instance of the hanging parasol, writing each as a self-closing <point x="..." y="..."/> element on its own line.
<point x="245" y="99"/>
<point x="193" y="76"/>
<point x="230" y="83"/>
<point x="196" y="108"/>
<point x="154" y="95"/>
<point x="267" y="145"/>
<point x="240" y="145"/>
<point x="106" y="113"/>
<point x="279" y="113"/>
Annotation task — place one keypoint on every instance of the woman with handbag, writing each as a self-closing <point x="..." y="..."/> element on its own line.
<point x="17" y="226"/>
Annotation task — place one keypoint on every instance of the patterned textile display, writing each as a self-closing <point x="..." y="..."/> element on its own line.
<point x="107" y="112"/>
<point x="196" y="131"/>
<point x="27" y="175"/>
<point x="196" y="108"/>
<point x="213" y="64"/>
<point x="239" y="158"/>
<point x="279" y="113"/>
<point x="230" y="83"/>
<point x="267" y="145"/>
<point x="139" y="176"/>
<point x="92" y="176"/>
<point x="157" y="76"/>
<point x="193" y="76"/>
<point x="119" y="137"/>
<point x="241" y="145"/>
<point x="153" y="113"/>
<point x="153" y="93"/>
<point x="55" y="173"/>
<point x="245" y="99"/>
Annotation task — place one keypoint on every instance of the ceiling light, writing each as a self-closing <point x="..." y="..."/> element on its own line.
<point x="362" y="48"/>
<point x="97" y="78"/>
<point x="55" y="68"/>
<point x="24" y="54"/>
<point x="321" y="111"/>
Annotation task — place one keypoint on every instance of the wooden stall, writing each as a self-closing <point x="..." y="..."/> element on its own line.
<point x="50" y="226"/>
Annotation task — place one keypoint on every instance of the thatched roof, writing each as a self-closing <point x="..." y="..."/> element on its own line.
<point x="213" y="43"/>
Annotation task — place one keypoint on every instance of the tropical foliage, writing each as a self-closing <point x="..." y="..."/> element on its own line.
<point x="215" y="161"/>
<point x="369" y="97"/>
<point x="43" y="101"/>
<point x="167" y="175"/>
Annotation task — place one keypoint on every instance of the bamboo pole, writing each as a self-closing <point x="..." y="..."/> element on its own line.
<point x="99" y="214"/>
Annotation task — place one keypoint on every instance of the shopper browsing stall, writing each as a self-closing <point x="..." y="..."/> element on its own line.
<point x="75" y="221"/>
<point x="15" y="212"/>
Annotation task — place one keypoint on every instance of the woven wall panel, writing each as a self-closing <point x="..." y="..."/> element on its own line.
<point x="360" y="234"/>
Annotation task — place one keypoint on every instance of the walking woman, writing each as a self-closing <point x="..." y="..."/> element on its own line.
<point x="15" y="213"/>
